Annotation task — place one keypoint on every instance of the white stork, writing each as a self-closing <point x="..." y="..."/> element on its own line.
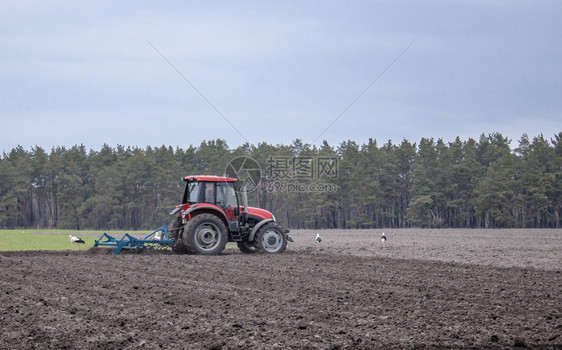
<point x="383" y="239"/>
<point x="75" y="240"/>
<point x="318" y="238"/>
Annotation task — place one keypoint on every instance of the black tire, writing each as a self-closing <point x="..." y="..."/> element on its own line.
<point x="205" y="234"/>
<point x="175" y="230"/>
<point x="271" y="239"/>
<point x="247" y="247"/>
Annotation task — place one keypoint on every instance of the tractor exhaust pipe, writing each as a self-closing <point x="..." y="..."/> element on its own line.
<point x="244" y="195"/>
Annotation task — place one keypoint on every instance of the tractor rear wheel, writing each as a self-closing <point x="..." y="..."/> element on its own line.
<point x="205" y="234"/>
<point x="271" y="238"/>
<point x="175" y="230"/>
<point x="247" y="247"/>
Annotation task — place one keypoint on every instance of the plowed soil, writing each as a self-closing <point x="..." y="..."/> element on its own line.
<point x="423" y="289"/>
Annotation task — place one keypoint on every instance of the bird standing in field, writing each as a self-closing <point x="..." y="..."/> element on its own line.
<point x="383" y="239"/>
<point x="318" y="238"/>
<point x="75" y="240"/>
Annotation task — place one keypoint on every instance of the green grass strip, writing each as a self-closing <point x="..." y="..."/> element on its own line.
<point x="18" y="240"/>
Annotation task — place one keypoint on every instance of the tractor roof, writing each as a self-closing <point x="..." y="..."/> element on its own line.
<point x="209" y="178"/>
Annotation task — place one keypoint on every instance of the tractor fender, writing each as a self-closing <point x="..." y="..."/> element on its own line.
<point x="257" y="227"/>
<point x="206" y="209"/>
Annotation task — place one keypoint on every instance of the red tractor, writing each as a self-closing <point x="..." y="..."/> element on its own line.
<point x="212" y="214"/>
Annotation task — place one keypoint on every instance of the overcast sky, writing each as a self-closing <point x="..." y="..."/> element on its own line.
<point x="85" y="72"/>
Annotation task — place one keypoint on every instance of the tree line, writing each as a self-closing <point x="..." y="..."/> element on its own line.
<point x="461" y="184"/>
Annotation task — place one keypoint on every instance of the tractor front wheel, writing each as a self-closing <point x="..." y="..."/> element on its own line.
<point x="205" y="234"/>
<point x="271" y="239"/>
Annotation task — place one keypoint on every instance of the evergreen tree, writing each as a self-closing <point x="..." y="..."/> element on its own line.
<point x="434" y="184"/>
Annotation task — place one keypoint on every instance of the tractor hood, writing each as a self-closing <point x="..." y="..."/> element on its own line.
<point x="259" y="213"/>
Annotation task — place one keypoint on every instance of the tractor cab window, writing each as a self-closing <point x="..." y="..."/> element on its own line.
<point x="191" y="192"/>
<point x="226" y="200"/>
<point x="226" y="196"/>
<point x="209" y="192"/>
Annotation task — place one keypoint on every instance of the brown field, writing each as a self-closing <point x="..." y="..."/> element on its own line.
<point x="476" y="289"/>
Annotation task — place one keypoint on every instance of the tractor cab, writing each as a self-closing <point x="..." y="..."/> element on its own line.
<point x="214" y="192"/>
<point x="210" y="189"/>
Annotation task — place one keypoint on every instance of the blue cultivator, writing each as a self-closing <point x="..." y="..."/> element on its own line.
<point x="157" y="239"/>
